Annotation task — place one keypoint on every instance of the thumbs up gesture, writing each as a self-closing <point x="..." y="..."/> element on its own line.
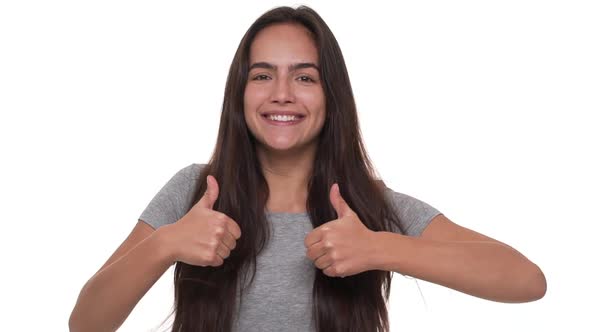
<point x="203" y="236"/>
<point x="344" y="246"/>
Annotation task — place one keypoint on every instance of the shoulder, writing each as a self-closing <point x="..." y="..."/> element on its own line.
<point x="413" y="213"/>
<point x="192" y="171"/>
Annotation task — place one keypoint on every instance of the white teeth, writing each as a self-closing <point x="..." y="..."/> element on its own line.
<point x="282" y="117"/>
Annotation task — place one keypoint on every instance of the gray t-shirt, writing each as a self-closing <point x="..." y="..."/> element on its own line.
<point x="281" y="293"/>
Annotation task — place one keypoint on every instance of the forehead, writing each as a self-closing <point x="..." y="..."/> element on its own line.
<point x="283" y="43"/>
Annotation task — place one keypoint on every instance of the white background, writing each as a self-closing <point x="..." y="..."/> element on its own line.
<point x="477" y="108"/>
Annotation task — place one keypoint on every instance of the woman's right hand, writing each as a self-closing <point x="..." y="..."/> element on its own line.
<point x="203" y="236"/>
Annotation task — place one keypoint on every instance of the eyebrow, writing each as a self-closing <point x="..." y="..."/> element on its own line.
<point x="292" y="67"/>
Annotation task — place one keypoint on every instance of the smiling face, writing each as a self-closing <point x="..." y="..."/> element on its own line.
<point x="284" y="78"/>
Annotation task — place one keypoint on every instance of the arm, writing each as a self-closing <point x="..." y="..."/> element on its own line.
<point x="108" y="298"/>
<point x="456" y="257"/>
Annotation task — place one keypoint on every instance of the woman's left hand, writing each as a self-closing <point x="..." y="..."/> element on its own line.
<point x="341" y="247"/>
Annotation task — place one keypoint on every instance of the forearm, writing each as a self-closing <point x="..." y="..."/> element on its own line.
<point x="484" y="269"/>
<point x="108" y="298"/>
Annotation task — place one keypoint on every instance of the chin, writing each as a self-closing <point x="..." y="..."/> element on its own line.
<point x="281" y="146"/>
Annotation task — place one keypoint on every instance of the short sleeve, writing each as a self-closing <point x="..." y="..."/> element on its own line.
<point x="414" y="214"/>
<point x="173" y="200"/>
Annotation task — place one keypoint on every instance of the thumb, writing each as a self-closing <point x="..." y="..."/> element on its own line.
<point x="210" y="195"/>
<point x="338" y="202"/>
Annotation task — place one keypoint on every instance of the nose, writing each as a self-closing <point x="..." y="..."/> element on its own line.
<point x="282" y="91"/>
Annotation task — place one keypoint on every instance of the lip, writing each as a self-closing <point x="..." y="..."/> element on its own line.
<point x="265" y="114"/>
<point x="282" y="123"/>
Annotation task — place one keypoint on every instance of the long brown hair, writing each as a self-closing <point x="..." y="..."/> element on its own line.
<point x="205" y="296"/>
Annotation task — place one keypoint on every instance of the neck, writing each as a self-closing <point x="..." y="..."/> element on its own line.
<point x="287" y="174"/>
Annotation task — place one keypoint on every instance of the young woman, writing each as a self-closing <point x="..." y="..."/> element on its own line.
<point x="287" y="228"/>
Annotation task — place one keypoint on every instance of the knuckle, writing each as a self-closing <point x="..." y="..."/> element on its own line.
<point x="218" y="262"/>
<point x="211" y="257"/>
<point x="334" y="256"/>
<point x="219" y="231"/>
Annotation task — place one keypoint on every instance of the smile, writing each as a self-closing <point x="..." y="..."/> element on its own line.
<point x="279" y="120"/>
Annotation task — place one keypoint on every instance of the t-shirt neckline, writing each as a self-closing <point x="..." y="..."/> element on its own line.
<point x="292" y="214"/>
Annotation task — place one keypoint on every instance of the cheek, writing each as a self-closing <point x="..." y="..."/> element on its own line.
<point x="250" y="103"/>
<point x="254" y="95"/>
<point x="316" y="103"/>
<point x="322" y="112"/>
<point x="247" y="98"/>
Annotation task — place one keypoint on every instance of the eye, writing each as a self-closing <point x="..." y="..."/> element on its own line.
<point x="306" y="78"/>
<point x="260" y="77"/>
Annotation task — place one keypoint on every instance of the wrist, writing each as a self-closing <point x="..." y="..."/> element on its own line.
<point x="389" y="251"/>
<point x="165" y="246"/>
